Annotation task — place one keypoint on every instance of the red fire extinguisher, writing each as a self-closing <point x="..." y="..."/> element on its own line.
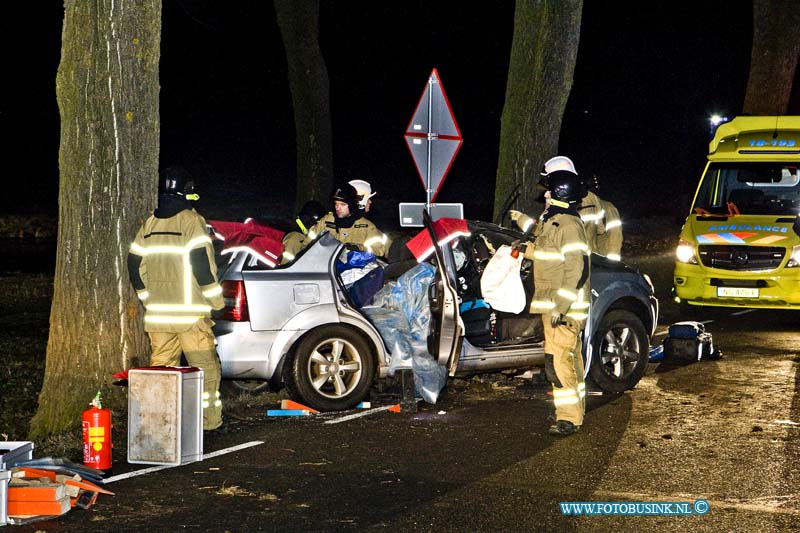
<point x="97" y="436"/>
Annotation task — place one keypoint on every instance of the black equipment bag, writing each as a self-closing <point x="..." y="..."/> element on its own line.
<point x="689" y="341"/>
<point x="480" y="322"/>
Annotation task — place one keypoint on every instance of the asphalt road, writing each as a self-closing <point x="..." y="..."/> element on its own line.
<point x="725" y="431"/>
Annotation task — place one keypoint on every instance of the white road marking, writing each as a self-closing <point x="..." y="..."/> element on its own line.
<point x="144" y="471"/>
<point x="232" y="449"/>
<point x="365" y="413"/>
<point x="358" y="415"/>
<point x="737" y="313"/>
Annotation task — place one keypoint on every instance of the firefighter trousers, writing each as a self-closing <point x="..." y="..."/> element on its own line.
<point x="564" y="369"/>
<point x="199" y="347"/>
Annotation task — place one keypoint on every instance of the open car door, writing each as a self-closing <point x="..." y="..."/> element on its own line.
<point x="444" y="339"/>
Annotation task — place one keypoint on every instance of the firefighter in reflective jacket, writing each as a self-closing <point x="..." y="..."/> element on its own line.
<point x="171" y="266"/>
<point x="347" y="225"/>
<point x="600" y="217"/>
<point x="608" y="243"/>
<point x="590" y="208"/>
<point x="561" y="283"/>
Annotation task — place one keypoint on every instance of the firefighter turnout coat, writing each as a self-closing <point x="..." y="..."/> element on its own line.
<point x="561" y="288"/>
<point x="363" y="234"/>
<point x="593" y="217"/>
<point x="177" y="270"/>
<point x="609" y="243"/>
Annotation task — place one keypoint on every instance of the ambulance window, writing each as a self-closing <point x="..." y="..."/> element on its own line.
<point x="752" y="188"/>
<point x="768" y="176"/>
<point x="709" y="197"/>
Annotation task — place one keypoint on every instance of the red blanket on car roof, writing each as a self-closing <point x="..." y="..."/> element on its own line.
<point x="446" y="230"/>
<point x="260" y="241"/>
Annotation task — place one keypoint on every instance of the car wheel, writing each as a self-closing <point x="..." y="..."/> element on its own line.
<point x="620" y="352"/>
<point x="332" y="369"/>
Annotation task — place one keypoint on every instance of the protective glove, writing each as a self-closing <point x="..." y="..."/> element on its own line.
<point x="523" y="221"/>
<point x="217" y="302"/>
<point x="556" y="319"/>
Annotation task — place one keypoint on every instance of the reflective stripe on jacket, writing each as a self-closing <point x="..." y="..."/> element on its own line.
<point x="363" y="234"/>
<point x="609" y="243"/>
<point x="593" y="217"/>
<point x="560" y="268"/>
<point x="172" y="274"/>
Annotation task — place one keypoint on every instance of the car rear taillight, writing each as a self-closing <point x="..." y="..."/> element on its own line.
<point x="235" y="302"/>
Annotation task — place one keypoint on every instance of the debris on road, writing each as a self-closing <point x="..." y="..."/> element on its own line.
<point x="291" y="404"/>
<point x="37" y="493"/>
<point x="288" y="412"/>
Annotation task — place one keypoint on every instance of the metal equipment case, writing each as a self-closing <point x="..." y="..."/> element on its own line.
<point x="11" y="453"/>
<point x="165" y="415"/>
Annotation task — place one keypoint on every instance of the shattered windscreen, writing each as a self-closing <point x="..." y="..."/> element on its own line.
<point x="749" y="188"/>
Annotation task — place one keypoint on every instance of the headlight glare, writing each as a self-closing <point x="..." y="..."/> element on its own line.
<point x="794" y="259"/>
<point x="685" y="252"/>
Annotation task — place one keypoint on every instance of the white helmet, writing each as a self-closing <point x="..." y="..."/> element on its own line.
<point x="559" y="162"/>
<point x="364" y="191"/>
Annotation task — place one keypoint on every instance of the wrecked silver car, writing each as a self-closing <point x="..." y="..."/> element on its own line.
<point x="297" y="325"/>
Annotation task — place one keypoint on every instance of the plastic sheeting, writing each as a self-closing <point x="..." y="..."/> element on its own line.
<point x="402" y="316"/>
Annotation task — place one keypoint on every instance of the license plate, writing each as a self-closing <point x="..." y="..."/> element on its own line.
<point x="737" y="292"/>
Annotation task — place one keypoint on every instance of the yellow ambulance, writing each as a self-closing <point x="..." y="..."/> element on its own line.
<point x="738" y="246"/>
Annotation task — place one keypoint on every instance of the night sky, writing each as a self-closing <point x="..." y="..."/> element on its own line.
<point x="646" y="80"/>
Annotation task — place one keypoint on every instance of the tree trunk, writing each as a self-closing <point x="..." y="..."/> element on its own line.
<point x="774" y="57"/>
<point x="308" y="81"/>
<point x="107" y="90"/>
<point x="543" y="53"/>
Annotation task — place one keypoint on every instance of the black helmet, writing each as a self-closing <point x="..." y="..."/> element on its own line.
<point x="310" y="213"/>
<point x="347" y="193"/>
<point x="565" y="186"/>
<point x="176" y="180"/>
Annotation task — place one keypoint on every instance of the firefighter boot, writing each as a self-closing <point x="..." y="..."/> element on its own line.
<point x="563" y="428"/>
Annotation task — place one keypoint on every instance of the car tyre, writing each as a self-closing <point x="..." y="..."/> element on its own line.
<point x="251" y="386"/>
<point x="620" y="352"/>
<point x="332" y="369"/>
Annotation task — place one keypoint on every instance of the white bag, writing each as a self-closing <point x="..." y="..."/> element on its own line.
<point x="501" y="285"/>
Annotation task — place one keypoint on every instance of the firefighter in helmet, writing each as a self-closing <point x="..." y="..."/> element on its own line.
<point x="171" y="266"/>
<point x="561" y="295"/>
<point x="347" y="224"/>
<point x="600" y="218"/>
<point x="590" y="209"/>
<point x="609" y="242"/>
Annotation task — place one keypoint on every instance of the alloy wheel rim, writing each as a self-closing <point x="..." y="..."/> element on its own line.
<point x="334" y="368"/>
<point x="620" y="351"/>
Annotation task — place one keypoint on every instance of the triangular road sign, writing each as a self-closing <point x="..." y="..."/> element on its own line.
<point x="433" y="137"/>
